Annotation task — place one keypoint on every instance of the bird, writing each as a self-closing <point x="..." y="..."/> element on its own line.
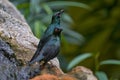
<point x="55" y="23"/>
<point x="50" y="49"/>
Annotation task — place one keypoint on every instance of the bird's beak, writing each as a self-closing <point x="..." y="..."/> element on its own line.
<point x="59" y="13"/>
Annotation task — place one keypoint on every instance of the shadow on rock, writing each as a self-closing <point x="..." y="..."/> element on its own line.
<point x="11" y="68"/>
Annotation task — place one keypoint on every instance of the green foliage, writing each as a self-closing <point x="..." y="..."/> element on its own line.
<point x="101" y="75"/>
<point x="68" y="3"/>
<point x="38" y="31"/>
<point x="78" y="59"/>
<point x="111" y="62"/>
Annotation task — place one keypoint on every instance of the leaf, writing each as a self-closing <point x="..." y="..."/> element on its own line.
<point x="98" y="40"/>
<point x="115" y="62"/>
<point x="38" y="28"/>
<point x="96" y="61"/>
<point x="101" y="75"/>
<point x="34" y="6"/>
<point x="68" y="3"/>
<point x="47" y="8"/>
<point x="23" y="5"/>
<point x="78" y="59"/>
<point x="73" y="37"/>
<point x="67" y="18"/>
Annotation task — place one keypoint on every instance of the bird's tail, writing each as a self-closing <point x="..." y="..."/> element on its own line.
<point x="30" y="63"/>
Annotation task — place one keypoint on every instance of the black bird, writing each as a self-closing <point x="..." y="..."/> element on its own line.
<point x="55" y="23"/>
<point x="50" y="49"/>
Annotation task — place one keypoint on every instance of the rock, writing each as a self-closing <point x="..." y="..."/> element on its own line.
<point x="45" y="77"/>
<point x="78" y="73"/>
<point x="82" y="73"/>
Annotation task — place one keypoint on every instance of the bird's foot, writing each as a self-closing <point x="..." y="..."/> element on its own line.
<point x="42" y="62"/>
<point x="42" y="65"/>
<point x="51" y="65"/>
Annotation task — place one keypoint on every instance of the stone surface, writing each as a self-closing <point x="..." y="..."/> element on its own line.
<point x="82" y="73"/>
<point x="18" y="35"/>
<point x="9" y="8"/>
<point x="78" y="73"/>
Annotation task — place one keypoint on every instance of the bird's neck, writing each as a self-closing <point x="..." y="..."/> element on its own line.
<point x="55" y="22"/>
<point x="57" y="35"/>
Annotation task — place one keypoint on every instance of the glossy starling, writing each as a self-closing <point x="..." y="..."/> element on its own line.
<point x="50" y="49"/>
<point x="55" y="23"/>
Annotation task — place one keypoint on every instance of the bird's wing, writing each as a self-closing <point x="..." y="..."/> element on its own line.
<point x="42" y="42"/>
<point x="51" y="52"/>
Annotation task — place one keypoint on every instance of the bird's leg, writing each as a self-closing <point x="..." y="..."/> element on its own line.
<point x="42" y="64"/>
<point x="51" y="65"/>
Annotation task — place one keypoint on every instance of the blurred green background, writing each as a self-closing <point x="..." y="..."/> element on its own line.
<point x="91" y="35"/>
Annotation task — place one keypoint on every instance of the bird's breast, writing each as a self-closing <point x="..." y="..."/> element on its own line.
<point x="55" y="41"/>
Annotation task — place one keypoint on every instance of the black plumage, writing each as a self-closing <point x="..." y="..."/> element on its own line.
<point x="55" y="23"/>
<point x="50" y="49"/>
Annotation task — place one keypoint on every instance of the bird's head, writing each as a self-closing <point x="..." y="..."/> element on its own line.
<point x="57" y="31"/>
<point x="56" y="17"/>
